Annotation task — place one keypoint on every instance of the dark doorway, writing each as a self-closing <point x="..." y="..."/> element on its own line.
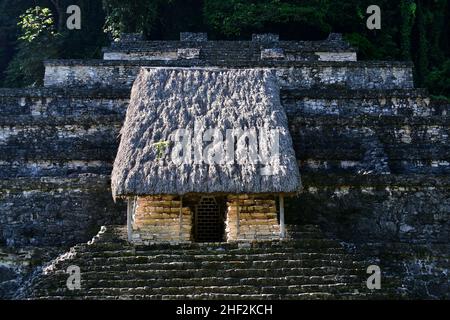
<point x="209" y="225"/>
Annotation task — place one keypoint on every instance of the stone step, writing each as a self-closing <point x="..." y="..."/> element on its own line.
<point x="238" y="289"/>
<point x="135" y="278"/>
<point x="311" y="232"/>
<point x="217" y="252"/>
<point x="213" y="296"/>
<point x="351" y="294"/>
<point x="145" y="263"/>
<point x="91" y="282"/>
<point x="305" y="245"/>
<point x="168" y="262"/>
<point x="132" y="281"/>
<point x="304" y="228"/>
<point x="218" y="257"/>
<point x="220" y="281"/>
<point x="339" y="291"/>
<point x="303" y="235"/>
<point x="59" y="279"/>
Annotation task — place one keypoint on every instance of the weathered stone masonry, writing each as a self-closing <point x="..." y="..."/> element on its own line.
<point x="252" y="218"/>
<point x="161" y="218"/>
<point x="171" y="218"/>
<point x="302" y="74"/>
<point x="56" y="153"/>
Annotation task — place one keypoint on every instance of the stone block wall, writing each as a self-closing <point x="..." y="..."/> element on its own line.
<point x="422" y="268"/>
<point x="193" y="36"/>
<point x="136" y="56"/>
<point x="336" y="56"/>
<point x="248" y="218"/>
<point x="375" y="170"/>
<point x="358" y="132"/>
<point x="398" y="222"/>
<point x="347" y="74"/>
<point x="272" y="54"/>
<point x="56" y="153"/>
<point x="265" y="37"/>
<point x="292" y="75"/>
<point x="161" y="219"/>
<point x="412" y="209"/>
<point x="58" y="147"/>
<point x="332" y="49"/>
<point x="349" y="103"/>
<point x="55" y="211"/>
<point x="371" y="145"/>
<point x="131" y="37"/>
<point x="252" y="217"/>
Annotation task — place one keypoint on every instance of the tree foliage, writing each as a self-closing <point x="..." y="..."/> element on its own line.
<point x="9" y="30"/>
<point x="36" y="22"/>
<point x="37" y="42"/>
<point x="154" y="18"/>
<point x="130" y="16"/>
<point x="408" y="14"/>
<point x="439" y="80"/>
<point x="25" y="40"/>
<point x="242" y="17"/>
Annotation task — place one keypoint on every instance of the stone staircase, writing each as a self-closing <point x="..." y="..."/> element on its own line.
<point x="307" y="266"/>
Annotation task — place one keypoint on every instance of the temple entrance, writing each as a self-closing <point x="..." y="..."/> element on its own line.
<point x="209" y="225"/>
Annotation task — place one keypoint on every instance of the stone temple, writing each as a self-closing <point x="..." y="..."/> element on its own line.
<point x="362" y="177"/>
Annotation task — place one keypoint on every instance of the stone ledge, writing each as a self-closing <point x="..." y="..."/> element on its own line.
<point x="193" y="36"/>
<point x="83" y="181"/>
<point x="246" y="45"/>
<point x="188" y="53"/>
<point x="254" y="64"/>
<point x="272" y="54"/>
<point x="131" y="37"/>
<point x="64" y="92"/>
<point x="343" y="93"/>
<point x="376" y="181"/>
<point x="309" y="179"/>
<point x="51" y="120"/>
<point x="265" y="37"/>
<point x="369" y="120"/>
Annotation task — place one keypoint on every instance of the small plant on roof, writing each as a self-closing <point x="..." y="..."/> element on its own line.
<point x="161" y="148"/>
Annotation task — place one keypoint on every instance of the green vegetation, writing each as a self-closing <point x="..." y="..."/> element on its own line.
<point x="439" y="80"/>
<point x="243" y="17"/>
<point x="161" y="147"/>
<point x="33" y="31"/>
<point x="415" y="30"/>
<point x="38" y="41"/>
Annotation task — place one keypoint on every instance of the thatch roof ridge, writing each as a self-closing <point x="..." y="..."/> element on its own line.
<point x="166" y="99"/>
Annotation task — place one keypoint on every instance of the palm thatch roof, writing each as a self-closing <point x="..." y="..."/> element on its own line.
<point x="166" y="99"/>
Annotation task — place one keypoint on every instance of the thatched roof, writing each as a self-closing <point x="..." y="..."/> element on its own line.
<point x="166" y="99"/>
